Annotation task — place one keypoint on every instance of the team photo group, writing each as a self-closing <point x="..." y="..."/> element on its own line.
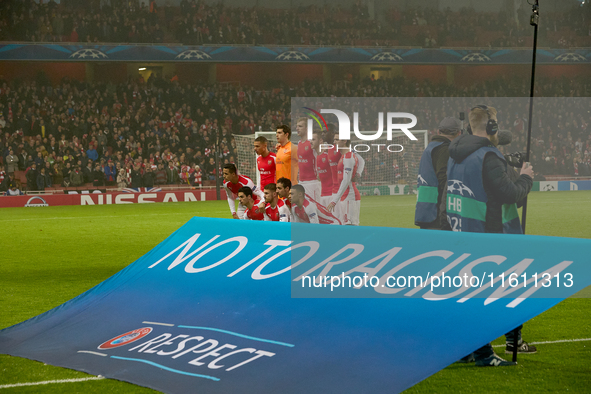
<point x="304" y="183"/>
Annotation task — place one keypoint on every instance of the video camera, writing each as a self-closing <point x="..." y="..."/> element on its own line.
<point x="515" y="159"/>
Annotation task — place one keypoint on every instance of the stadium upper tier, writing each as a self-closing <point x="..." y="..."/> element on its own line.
<point x="196" y="23"/>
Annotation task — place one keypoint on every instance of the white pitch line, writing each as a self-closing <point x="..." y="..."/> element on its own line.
<point x="6" y="386"/>
<point x="158" y="324"/>
<point x="550" y="342"/>
<point x="89" y="352"/>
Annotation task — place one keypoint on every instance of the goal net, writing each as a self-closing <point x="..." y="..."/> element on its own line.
<point x="391" y="166"/>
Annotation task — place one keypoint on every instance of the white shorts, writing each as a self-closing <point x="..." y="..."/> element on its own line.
<point x="325" y="200"/>
<point x="313" y="189"/>
<point x="350" y="210"/>
<point x="337" y="209"/>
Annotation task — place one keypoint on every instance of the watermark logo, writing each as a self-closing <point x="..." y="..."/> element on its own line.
<point x="345" y="132"/>
<point x="345" y="124"/>
<point x="315" y="115"/>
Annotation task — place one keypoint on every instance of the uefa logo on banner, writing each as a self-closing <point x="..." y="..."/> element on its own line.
<point x="126" y="338"/>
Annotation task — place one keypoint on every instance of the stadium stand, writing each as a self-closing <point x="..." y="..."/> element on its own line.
<point x="196" y="23"/>
<point x="157" y="121"/>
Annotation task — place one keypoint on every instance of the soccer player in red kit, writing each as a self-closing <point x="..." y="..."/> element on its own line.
<point x="307" y="161"/>
<point x="266" y="163"/>
<point x="334" y="156"/>
<point x="232" y="184"/>
<point x="302" y="210"/>
<point x="350" y="166"/>
<point x="245" y="196"/>
<point x="283" y="188"/>
<point x="323" y="170"/>
<point x="275" y="210"/>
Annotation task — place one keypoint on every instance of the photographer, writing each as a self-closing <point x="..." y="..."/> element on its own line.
<point x="481" y="197"/>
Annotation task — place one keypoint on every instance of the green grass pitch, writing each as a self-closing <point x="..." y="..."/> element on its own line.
<point x="50" y="255"/>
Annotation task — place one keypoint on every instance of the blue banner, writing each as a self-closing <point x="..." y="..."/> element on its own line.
<point x="216" y="307"/>
<point x="281" y="54"/>
<point x="574" y="185"/>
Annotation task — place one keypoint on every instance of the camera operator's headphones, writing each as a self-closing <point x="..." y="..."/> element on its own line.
<point x="491" y="126"/>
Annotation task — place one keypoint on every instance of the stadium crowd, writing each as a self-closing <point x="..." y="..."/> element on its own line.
<point x="196" y="23"/>
<point x="161" y="132"/>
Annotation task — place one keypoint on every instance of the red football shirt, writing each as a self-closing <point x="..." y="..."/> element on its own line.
<point x="275" y="213"/>
<point x="306" y="161"/>
<point x="286" y="201"/>
<point x="334" y="157"/>
<point x="234" y="187"/>
<point x="253" y="214"/>
<point x="267" y="169"/>
<point x="324" y="173"/>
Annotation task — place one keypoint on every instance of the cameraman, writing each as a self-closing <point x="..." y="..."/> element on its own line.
<point x="432" y="180"/>
<point x="482" y="198"/>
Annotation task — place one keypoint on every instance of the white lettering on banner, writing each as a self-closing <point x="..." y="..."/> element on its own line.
<point x="188" y="244"/>
<point x="211" y="342"/>
<point x="86" y="200"/>
<point x="170" y="197"/>
<point x="123" y="198"/>
<point x="152" y="341"/>
<point x="383" y="279"/>
<point x="519" y="268"/>
<point x="165" y="343"/>
<point x="213" y="365"/>
<point x="205" y="347"/>
<point x="211" y="353"/>
<point x="184" y="252"/>
<point x="313" y="245"/>
<point x="190" y="197"/>
<point x="357" y="249"/>
<point x="386" y="256"/>
<point x="130" y="198"/>
<point x="259" y="354"/>
<point x="447" y="268"/>
<point x="180" y="346"/>
<point x="242" y="241"/>
<point x="466" y="270"/>
<point x="143" y="198"/>
<point x="273" y="244"/>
